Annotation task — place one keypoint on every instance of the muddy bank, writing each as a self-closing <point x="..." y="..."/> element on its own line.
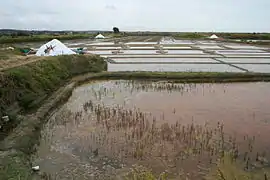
<point x="178" y="77"/>
<point x="16" y="149"/>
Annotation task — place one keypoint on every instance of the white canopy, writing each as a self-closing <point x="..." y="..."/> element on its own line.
<point x="213" y="36"/>
<point x="54" y="48"/>
<point x="100" y="36"/>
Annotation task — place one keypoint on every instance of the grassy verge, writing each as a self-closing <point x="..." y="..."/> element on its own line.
<point x="190" y="36"/>
<point x="6" y="54"/>
<point x="14" y="165"/>
<point x="24" y="88"/>
<point x="179" y="77"/>
<point x="245" y="36"/>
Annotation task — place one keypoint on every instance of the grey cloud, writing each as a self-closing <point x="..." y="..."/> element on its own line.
<point x="111" y="7"/>
<point x="171" y="15"/>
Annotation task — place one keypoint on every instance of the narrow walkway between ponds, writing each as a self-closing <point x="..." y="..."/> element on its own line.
<point x="232" y="65"/>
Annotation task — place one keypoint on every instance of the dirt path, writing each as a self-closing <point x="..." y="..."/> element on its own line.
<point x="18" y="61"/>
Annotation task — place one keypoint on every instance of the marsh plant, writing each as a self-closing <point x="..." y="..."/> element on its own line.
<point x="132" y="137"/>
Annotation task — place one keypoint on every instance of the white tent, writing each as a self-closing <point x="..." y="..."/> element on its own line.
<point x="54" y="48"/>
<point x="213" y="36"/>
<point x="100" y="36"/>
<point x="167" y="40"/>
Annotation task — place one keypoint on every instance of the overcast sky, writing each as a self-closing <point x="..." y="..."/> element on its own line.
<point x="133" y="15"/>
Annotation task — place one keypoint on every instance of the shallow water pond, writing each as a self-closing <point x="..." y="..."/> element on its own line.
<point x="261" y="68"/>
<point x="162" y="67"/>
<point x="164" y="60"/>
<point x="153" y="52"/>
<point x="108" y="126"/>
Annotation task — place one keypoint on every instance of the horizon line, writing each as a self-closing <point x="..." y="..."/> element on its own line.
<point x="14" y="29"/>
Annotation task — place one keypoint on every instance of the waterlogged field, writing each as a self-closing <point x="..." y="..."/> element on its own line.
<point x="183" y="131"/>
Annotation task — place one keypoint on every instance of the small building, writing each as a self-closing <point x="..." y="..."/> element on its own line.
<point x="213" y="37"/>
<point x="100" y="36"/>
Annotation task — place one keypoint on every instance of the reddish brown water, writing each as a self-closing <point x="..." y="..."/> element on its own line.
<point x="69" y="142"/>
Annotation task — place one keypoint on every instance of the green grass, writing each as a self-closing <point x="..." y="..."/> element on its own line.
<point x="6" y="54"/>
<point x="245" y="36"/>
<point x="189" y="35"/>
<point x="24" y="88"/>
<point x="15" y="166"/>
<point x="34" y="80"/>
